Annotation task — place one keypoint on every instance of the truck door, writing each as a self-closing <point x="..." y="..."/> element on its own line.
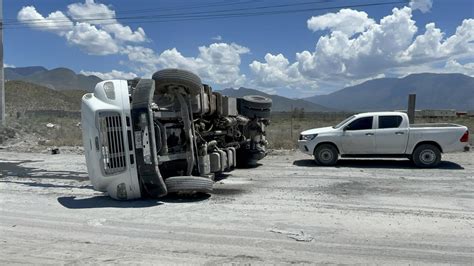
<point x="391" y="135"/>
<point x="359" y="136"/>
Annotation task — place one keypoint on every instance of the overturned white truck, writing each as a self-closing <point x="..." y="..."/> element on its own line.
<point x="168" y="134"/>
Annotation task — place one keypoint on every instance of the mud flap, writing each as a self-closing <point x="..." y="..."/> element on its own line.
<point x="151" y="182"/>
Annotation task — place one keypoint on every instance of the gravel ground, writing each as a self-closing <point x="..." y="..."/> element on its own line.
<point x="285" y="211"/>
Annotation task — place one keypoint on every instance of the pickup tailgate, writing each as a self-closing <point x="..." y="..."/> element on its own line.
<point x="448" y="136"/>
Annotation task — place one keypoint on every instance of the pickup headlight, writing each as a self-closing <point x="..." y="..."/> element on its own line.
<point x="308" y="137"/>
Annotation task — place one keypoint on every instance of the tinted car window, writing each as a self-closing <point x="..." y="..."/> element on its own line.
<point x="361" y="124"/>
<point x="390" y="121"/>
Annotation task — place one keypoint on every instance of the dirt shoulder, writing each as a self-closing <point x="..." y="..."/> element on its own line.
<point x="285" y="211"/>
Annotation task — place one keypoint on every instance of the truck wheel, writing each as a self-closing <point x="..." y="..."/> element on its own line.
<point x="257" y="101"/>
<point x="426" y="156"/>
<point x="189" y="184"/>
<point x="254" y="106"/>
<point x="251" y="113"/>
<point x="326" y="155"/>
<point x="168" y="78"/>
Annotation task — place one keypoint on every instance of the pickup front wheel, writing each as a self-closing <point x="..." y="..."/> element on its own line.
<point x="326" y="155"/>
<point x="426" y="156"/>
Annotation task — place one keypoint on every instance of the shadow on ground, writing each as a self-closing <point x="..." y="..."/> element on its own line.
<point x="378" y="163"/>
<point x="46" y="185"/>
<point x="104" y="202"/>
<point x="16" y="169"/>
<point x="72" y="202"/>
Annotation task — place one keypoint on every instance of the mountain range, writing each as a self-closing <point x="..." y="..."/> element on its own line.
<point x="56" y="79"/>
<point x="433" y="91"/>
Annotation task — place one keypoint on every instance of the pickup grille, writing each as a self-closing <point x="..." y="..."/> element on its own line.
<point x="112" y="143"/>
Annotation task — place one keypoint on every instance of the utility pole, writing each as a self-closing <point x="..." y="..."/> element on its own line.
<point x="2" y="76"/>
<point x="411" y="108"/>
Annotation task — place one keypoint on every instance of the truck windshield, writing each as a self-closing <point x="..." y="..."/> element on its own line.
<point x="343" y="122"/>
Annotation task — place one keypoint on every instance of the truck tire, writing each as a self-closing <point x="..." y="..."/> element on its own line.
<point x="189" y="184"/>
<point x="256" y="102"/>
<point x="426" y="156"/>
<point x="166" y="78"/>
<point x="252" y="113"/>
<point x="326" y="155"/>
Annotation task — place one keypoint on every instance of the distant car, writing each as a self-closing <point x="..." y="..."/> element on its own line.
<point x="386" y="134"/>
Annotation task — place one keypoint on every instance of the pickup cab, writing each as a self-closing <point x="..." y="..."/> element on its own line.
<point x="383" y="134"/>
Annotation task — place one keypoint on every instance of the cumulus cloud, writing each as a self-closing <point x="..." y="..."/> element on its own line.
<point x="114" y="74"/>
<point x="277" y="72"/>
<point x="357" y="48"/>
<point x="90" y="9"/>
<point x="103" y="36"/>
<point x="422" y="5"/>
<point x="218" y="63"/>
<point x="454" y="66"/>
<point x="7" y="65"/>
<point x="55" y="22"/>
<point x="92" y="40"/>
<point x="347" y="21"/>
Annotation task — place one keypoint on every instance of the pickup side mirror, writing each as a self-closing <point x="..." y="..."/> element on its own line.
<point x="345" y="128"/>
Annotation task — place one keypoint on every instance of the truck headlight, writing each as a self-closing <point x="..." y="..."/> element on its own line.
<point x="308" y="137"/>
<point x="109" y="90"/>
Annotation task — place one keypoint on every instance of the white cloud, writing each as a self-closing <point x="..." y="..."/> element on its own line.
<point x="107" y="21"/>
<point x="217" y="38"/>
<point x="347" y="21"/>
<point x="422" y="5"/>
<point x="454" y="66"/>
<point x="114" y="74"/>
<point x="7" y="65"/>
<point x="218" y="63"/>
<point x="277" y="72"/>
<point x="358" y="48"/>
<point x="103" y="36"/>
<point x="92" y="40"/>
<point x="55" y="22"/>
<point x="431" y="45"/>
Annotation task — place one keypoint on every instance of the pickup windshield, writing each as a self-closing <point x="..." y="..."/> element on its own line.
<point x="343" y="122"/>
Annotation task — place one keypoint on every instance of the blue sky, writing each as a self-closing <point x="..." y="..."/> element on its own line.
<point x="293" y="54"/>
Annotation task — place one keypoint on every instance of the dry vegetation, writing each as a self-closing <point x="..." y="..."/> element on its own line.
<point x="282" y="135"/>
<point x="27" y="119"/>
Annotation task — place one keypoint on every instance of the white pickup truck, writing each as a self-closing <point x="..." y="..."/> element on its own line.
<point x="383" y="134"/>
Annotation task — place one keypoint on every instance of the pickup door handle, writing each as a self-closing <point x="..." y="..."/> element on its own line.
<point x="369" y="134"/>
<point x="399" y="133"/>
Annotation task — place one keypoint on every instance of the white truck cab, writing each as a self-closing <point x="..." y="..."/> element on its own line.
<point x="383" y="134"/>
<point x="107" y="140"/>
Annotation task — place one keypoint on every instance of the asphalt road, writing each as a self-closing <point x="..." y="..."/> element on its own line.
<point x="285" y="211"/>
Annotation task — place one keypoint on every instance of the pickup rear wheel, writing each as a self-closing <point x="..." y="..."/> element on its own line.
<point x="326" y="155"/>
<point x="426" y="156"/>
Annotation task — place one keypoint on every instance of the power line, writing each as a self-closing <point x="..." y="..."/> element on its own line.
<point x="205" y="15"/>
<point x="85" y="19"/>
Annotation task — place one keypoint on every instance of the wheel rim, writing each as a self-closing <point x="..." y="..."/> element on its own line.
<point x="326" y="155"/>
<point x="427" y="156"/>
